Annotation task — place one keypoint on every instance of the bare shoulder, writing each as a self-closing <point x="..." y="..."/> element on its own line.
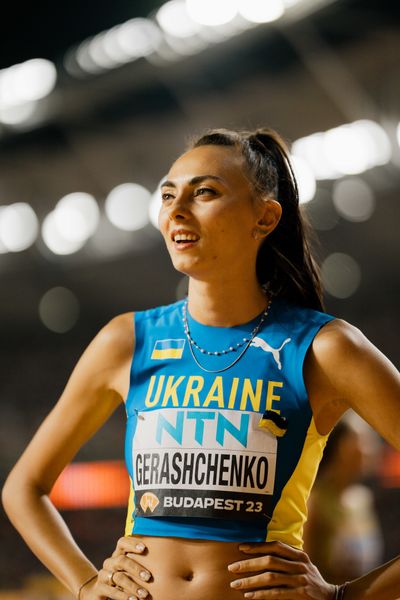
<point x="343" y="352"/>
<point x="345" y="370"/>
<point x="120" y="325"/>
<point x="105" y="363"/>
<point x="116" y="338"/>
<point x="340" y="340"/>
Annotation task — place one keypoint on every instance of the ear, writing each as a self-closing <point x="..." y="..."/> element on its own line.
<point x="271" y="212"/>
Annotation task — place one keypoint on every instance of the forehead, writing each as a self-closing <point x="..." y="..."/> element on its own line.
<point x="222" y="161"/>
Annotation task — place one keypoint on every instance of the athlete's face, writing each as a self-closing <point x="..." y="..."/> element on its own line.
<point x="210" y="211"/>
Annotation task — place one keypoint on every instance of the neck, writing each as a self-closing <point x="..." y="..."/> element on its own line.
<point x="225" y="303"/>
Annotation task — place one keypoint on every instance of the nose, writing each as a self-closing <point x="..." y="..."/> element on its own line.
<point x="179" y="208"/>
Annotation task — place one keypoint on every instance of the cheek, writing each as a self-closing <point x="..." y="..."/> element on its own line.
<point x="162" y="222"/>
<point x="236" y="228"/>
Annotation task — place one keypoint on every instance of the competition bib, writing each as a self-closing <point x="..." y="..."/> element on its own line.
<point x="203" y="463"/>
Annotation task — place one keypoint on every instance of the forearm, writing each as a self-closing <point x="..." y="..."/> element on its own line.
<point x="46" y="533"/>
<point x="381" y="584"/>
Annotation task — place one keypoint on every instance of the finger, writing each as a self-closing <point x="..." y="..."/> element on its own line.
<point x="111" y="583"/>
<point x="104" y="587"/>
<point x="270" y="580"/>
<point x="275" y="548"/>
<point x="281" y="594"/>
<point x="111" y="593"/>
<point x="127" y="585"/>
<point x="129" y="544"/>
<point x="267" y="563"/>
<point x="124" y="563"/>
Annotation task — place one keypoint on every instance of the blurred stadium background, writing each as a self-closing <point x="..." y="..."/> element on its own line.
<point x="96" y="100"/>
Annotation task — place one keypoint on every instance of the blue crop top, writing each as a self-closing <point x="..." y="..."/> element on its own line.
<point x="227" y="456"/>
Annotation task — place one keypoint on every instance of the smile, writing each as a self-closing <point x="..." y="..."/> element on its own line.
<point x="185" y="237"/>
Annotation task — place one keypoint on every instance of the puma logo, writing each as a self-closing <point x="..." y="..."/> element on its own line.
<point x="260" y="343"/>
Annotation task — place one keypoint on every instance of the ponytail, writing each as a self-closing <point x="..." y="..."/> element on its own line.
<point x="285" y="266"/>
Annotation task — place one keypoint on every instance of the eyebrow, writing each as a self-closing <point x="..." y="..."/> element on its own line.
<point x="194" y="180"/>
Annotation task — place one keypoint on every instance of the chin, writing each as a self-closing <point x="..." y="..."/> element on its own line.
<point x="184" y="265"/>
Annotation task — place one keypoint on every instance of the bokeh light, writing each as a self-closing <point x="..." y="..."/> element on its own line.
<point x="185" y="46"/>
<point x="109" y="49"/>
<point x="55" y="239"/>
<point x="98" y="52"/>
<point x="84" y="59"/>
<point x="321" y="212"/>
<point x="261" y="12"/>
<point x="77" y="216"/>
<point x="3" y="249"/>
<point x="310" y="149"/>
<point x="305" y="179"/>
<point x="112" y="48"/>
<point x="354" y="199"/>
<point x="94" y="484"/>
<point x="26" y="82"/>
<point x="127" y="206"/>
<point x="341" y="275"/>
<point x="345" y="150"/>
<point x="174" y="19"/>
<point x="356" y="147"/>
<point x="18" y="114"/>
<point x="59" y="309"/>
<point x="212" y="12"/>
<point x="138" y="37"/>
<point x="19" y="227"/>
<point x="155" y="206"/>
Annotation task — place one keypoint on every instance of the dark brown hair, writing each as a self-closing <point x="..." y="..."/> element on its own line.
<point x="285" y="265"/>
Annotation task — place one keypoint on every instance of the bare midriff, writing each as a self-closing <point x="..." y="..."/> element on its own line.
<point x="184" y="569"/>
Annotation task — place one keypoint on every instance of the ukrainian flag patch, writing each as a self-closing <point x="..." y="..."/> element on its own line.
<point x="168" y="349"/>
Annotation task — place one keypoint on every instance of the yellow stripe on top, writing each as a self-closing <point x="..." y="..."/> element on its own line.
<point x="167" y="353"/>
<point x="290" y="512"/>
<point x="131" y="510"/>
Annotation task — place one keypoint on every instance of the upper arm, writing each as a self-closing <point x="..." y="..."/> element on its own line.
<point x="345" y="370"/>
<point x="95" y="388"/>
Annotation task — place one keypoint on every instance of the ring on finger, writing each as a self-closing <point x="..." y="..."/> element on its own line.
<point x="110" y="578"/>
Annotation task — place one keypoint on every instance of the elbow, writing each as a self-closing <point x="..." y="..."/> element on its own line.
<point x="16" y="492"/>
<point x="7" y="495"/>
<point x="10" y="494"/>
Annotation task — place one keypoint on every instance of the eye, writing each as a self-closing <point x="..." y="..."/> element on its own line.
<point x="166" y="196"/>
<point x="204" y="191"/>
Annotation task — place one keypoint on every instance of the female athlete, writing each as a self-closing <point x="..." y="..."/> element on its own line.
<point x="230" y="396"/>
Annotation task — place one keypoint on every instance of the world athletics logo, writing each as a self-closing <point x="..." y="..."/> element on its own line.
<point x="149" y="501"/>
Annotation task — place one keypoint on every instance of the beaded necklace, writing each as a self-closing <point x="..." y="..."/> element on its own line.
<point x="246" y="341"/>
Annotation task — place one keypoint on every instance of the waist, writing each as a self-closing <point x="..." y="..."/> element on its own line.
<point x="195" y="569"/>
